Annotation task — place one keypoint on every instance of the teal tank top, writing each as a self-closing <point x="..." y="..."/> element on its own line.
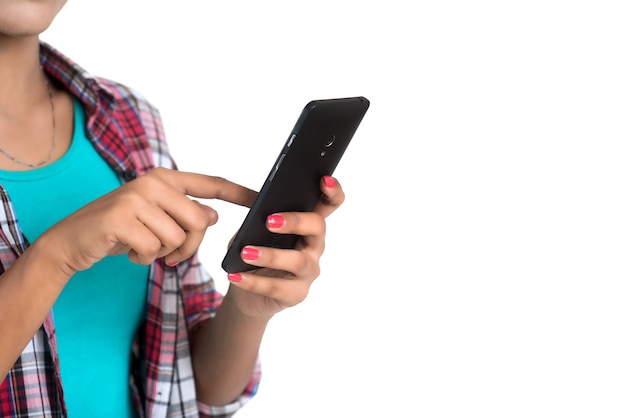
<point x="99" y="311"/>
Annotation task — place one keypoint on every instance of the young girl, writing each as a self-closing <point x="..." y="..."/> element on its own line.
<point x="105" y="310"/>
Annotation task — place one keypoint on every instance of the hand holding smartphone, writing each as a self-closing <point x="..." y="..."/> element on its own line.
<point x="313" y="149"/>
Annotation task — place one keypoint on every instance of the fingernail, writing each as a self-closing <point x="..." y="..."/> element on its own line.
<point x="173" y="263"/>
<point x="234" y="277"/>
<point x="250" y="253"/>
<point x="329" y="181"/>
<point x="275" y="221"/>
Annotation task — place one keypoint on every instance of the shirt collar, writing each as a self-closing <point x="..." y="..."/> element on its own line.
<point x="80" y="83"/>
<point x="102" y="105"/>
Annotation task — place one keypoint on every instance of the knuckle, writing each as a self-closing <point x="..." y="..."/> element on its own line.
<point x="217" y="181"/>
<point x="176" y="238"/>
<point x="340" y="199"/>
<point x="201" y="221"/>
<point x="153" y="179"/>
<point x="159" y="172"/>
<point x="222" y="186"/>
<point x="130" y="200"/>
<point x="312" y="268"/>
<point x="316" y="270"/>
<point x="116" y="219"/>
<point x="322" y="224"/>
<point x="190" y="245"/>
<point x="301" y="263"/>
<point x="151" y="247"/>
<point x="206" y="219"/>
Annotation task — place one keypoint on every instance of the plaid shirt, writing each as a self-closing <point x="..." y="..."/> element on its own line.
<point x="127" y="132"/>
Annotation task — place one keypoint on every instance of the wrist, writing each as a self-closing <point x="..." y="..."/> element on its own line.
<point x="235" y="304"/>
<point x="51" y="257"/>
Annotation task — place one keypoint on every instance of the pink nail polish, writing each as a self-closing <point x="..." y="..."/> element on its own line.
<point x="234" y="277"/>
<point x="250" y="253"/>
<point x="275" y="221"/>
<point x="173" y="263"/>
<point x="329" y="181"/>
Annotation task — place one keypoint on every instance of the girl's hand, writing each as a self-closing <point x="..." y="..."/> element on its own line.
<point x="147" y="218"/>
<point x="285" y="276"/>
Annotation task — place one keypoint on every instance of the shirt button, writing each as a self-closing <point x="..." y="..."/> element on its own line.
<point x="129" y="175"/>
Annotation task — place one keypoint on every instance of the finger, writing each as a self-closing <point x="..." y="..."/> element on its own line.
<point x="194" y="234"/>
<point x="300" y="263"/>
<point x="332" y="196"/>
<point x="309" y="225"/>
<point x="169" y="232"/>
<point x="208" y="187"/>
<point x="143" y="243"/>
<point x="211" y="213"/>
<point x="187" y="248"/>
<point x="189" y="214"/>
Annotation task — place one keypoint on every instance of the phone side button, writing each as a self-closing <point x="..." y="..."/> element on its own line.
<point x="291" y="138"/>
<point x="278" y="163"/>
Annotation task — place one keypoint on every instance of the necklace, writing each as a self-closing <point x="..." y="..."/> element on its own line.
<point x="54" y="135"/>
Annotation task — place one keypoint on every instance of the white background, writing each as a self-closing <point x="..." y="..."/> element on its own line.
<point x="477" y="267"/>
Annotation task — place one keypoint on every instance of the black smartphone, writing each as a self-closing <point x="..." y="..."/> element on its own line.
<point x="312" y="150"/>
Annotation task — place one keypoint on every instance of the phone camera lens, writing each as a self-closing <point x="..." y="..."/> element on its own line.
<point x="329" y="141"/>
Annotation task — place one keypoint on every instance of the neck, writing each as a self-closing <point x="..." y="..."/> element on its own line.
<point x="21" y="78"/>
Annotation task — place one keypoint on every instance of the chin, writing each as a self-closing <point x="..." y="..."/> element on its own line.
<point x="27" y="17"/>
